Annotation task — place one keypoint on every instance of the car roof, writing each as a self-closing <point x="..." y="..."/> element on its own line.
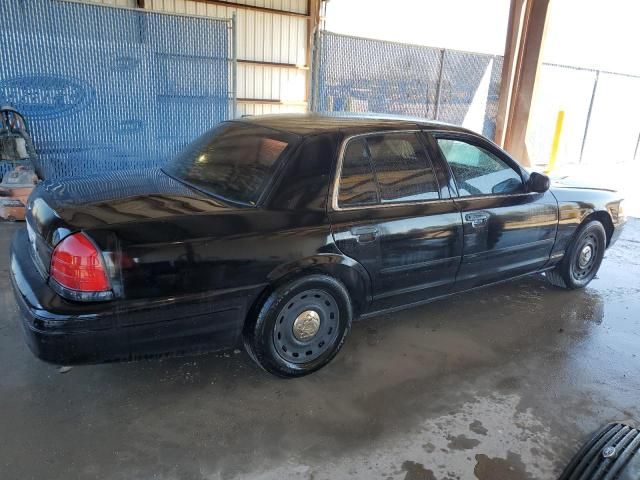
<point x="313" y="123"/>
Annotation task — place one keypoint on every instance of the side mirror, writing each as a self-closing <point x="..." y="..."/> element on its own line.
<point x="538" y="182"/>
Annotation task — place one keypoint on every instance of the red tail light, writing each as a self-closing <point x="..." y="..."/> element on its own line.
<point x="76" y="264"/>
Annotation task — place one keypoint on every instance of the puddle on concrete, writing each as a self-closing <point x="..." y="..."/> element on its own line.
<point x="510" y="468"/>
<point x="477" y="427"/>
<point x="416" y="471"/>
<point x="461" y="442"/>
<point x="453" y="445"/>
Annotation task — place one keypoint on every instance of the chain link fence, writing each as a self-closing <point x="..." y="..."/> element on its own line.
<point x="355" y="74"/>
<point x="601" y="121"/>
<point x="106" y="88"/>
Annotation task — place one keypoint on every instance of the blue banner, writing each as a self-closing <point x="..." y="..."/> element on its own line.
<point x="107" y="89"/>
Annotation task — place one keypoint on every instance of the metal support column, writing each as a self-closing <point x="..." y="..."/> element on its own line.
<point x="523" y="56"/>
<point x="315" y="9"/>
<point x="234" y="65"/>
<point x="313" y="72"/>
<point x="439" y="85"/>
<point x="586" y="125"/>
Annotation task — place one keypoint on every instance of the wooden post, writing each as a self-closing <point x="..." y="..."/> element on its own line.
<point x="523" y="55"/>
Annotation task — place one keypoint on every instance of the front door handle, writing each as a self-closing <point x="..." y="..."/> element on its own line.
<point x="477" y="219"/>
<point x="365" y="234"/>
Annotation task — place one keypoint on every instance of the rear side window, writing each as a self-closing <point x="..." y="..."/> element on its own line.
<point x="478" y="171"/>
<point x="357" y="183"/>
<point x="234" y="160"/>
<point x="402" y="168"/>
<point x="387" y="168"/>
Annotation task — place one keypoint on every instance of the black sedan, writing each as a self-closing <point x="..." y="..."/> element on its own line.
<point x="278" y="231"/>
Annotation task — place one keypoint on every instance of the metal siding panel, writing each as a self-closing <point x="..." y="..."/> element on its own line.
<point x="303" y="27"/>
<point x="241" y="81"/>
<point x="285" y="45"/>
<point x="249" y="34"/>
<point x="275" y="83"/>
<point x="276" y="40"/>
<point x="248" y="84"/>
<point x="271" y="83"/>
<point x="293" y="41"/>
<point x="266" y="83"/>
<point x="191" y="7"/>
<point x="266" y="38"/>
<point x="297" y="6"/>
<point x="179" y="6"/>
<point x="262" y="37"/>
<point x="242" y="35"/>
<point x="266" y="108"/>
<point x="118" y="3"/>
<point x="259" y="39"/>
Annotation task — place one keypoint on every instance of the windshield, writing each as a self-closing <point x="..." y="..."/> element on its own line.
<point x="233" y="160"/>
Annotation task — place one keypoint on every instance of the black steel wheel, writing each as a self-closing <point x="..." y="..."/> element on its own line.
<point x="582" y="259"/>
<point x="300" y="327"/>
<point x="586" y="255"/>
<point x="307" y="326"/>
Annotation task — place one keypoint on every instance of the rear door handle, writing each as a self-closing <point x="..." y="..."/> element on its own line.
<point x="365" y="234"/>
<point x="477" y="219"/>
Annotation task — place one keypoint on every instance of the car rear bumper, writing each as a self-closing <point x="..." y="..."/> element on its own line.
<point x="68" y="333"/>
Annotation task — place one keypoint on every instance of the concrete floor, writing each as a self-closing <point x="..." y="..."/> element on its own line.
<point x="500" y="384"/>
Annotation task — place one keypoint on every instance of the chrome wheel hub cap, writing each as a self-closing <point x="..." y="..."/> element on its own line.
<point x="306" y="325"/>
<point x="585" y="256"/>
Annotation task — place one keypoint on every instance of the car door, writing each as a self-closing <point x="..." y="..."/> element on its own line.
<point x="508" y="231"/>
<point x="390" y="213"/>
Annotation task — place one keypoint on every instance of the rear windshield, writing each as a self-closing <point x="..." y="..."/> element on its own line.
<point x="235" y="161"/>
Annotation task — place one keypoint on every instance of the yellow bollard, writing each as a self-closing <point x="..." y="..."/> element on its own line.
<point x="556" y="142"/>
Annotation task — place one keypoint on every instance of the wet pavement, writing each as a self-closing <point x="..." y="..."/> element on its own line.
<point x="499" y="384"/>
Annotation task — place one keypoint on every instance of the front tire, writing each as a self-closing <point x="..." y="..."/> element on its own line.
<point x="582" y="259"/>
<point x="300" y="327"/>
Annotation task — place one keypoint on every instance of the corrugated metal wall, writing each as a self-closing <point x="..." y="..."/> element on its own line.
<point x="265" y="39"/>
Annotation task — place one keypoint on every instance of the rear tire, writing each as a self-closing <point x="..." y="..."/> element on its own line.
<point x="582" y="259"/>
<point x="300" y="327"/>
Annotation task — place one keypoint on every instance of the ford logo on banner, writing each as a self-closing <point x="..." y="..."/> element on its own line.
<point x="46" y="96"/>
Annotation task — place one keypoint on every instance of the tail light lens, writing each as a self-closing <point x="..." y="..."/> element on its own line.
<point x="78" y="270"/>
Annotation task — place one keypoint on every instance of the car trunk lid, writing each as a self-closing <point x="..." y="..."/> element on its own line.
<point x="59" y="208"/>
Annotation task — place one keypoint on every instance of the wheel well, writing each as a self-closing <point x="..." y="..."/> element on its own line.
<point x="349" y="277"/>
<point x="605" y="219"/>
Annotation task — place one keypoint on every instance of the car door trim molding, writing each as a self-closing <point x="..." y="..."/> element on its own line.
<point x="459" y="199"/>
<point x="474" y="257"/>
<point x="335" y="189"/>
<point x="415" y="266"/>
<point x="412" y="289"/>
